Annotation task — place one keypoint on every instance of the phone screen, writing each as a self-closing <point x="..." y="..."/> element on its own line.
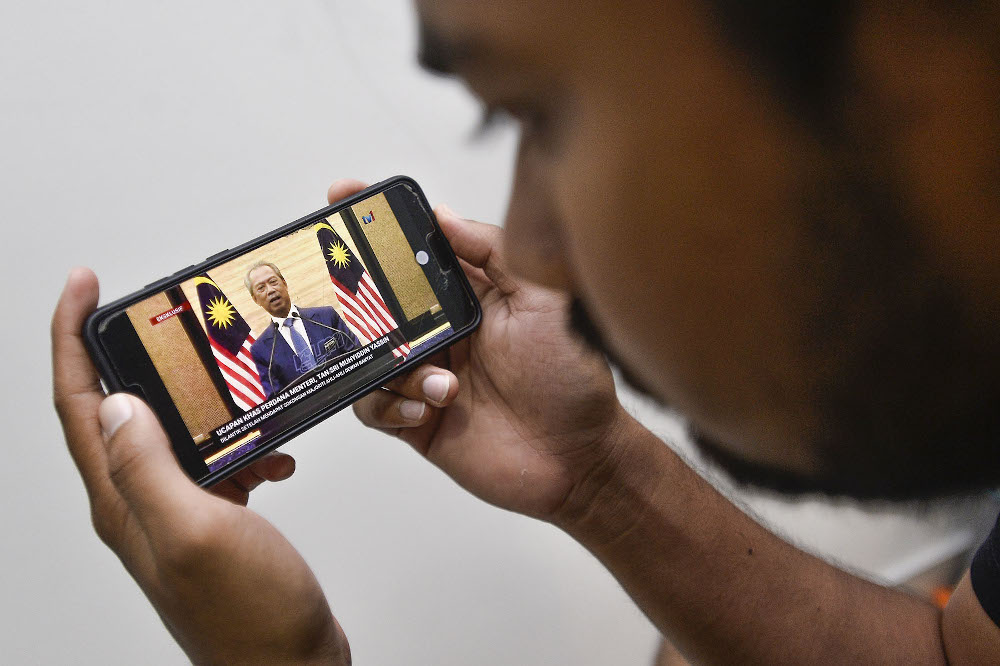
<point x="248" y="348"/>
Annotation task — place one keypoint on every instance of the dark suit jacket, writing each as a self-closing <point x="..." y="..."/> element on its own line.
<point x="285" y="367"/>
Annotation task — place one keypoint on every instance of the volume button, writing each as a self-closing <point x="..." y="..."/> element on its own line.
<point x="217" y="255"/>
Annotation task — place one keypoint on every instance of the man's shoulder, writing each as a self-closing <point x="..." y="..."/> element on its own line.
<point x="326" y="311"/>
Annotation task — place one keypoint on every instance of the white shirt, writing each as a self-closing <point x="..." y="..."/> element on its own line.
<point x="300" y="327"/>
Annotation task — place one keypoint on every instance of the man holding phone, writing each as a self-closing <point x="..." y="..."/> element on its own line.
<point x="808" y="274"/>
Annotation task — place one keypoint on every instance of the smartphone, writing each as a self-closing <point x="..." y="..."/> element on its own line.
<point x="240" y="353"/>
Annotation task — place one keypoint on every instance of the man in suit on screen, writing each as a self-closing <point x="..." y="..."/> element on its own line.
<point x="298" y="339"/>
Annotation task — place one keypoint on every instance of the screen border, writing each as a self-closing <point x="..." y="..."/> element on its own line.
<point x="150" y="387"/>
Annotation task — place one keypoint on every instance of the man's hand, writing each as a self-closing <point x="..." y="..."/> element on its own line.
<point x="227" y="585"/>
<point x="526" y="417"/>
<point x="520" y="412"/>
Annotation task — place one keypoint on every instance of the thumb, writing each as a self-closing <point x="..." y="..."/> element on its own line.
<point x="477" y="243"/>
<point x="141" y="463"/>
<point x="343" y="188"/>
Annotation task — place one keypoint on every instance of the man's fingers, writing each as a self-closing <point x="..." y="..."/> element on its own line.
<point x="409" y="400"/>
<point x="388" y="410"/>
<point x="142" y="465"/>
<point x="343" y="188"/>
<point x="272" y="467"/>
<point x="73" y="374"/>
<point x="427" y="383"/>
<point x="275" y="466"/>
<point x="76" y="388"/>
<point x="478" y="244"/>
<point x="230" y="491"/>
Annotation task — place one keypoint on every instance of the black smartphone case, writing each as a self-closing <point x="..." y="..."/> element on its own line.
<point x="441" y="248"/>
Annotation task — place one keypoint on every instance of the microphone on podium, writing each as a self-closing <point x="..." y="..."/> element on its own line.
<point x="342" y="339"/>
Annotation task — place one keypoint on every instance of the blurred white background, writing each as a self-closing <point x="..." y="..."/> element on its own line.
<point x="138" y="137"/>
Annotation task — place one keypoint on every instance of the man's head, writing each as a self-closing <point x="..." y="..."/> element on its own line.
<point x="268" y="288"/>
<point x="782" y="221"/>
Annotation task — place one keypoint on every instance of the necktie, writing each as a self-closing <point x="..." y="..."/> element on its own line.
<point x="301" y="347"/>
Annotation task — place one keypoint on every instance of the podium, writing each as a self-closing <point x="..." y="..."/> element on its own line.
<point x="379" y="365"/>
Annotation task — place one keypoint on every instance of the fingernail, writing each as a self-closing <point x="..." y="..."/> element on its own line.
<point x="412" y="410"/>
<point x="73" y="273"/>
<point x="114" y="412"/>
<point x="446" y="209"/>
<point x="436" y="387"/>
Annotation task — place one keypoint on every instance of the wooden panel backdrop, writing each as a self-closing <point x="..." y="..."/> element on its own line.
<point x="395" y="256"/>
<point x="180" y="366"/>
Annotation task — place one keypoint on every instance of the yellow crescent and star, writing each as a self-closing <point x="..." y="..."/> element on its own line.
<point x="338" y="255"/>
<point x="219" y="311"/>
<point x="337" y="251"/>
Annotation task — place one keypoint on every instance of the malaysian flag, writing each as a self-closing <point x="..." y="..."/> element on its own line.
<point x="230" y="338"/>
<point x="363" y="308"/>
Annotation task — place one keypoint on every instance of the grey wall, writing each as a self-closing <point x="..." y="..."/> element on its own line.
<point x="137" y="137"/>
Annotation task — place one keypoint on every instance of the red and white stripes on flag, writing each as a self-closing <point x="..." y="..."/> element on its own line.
<point x="363" y="307"/>
<point x="240" y="374"/>
<point x="366" y="313"/>
<point x="230" y="338"/>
